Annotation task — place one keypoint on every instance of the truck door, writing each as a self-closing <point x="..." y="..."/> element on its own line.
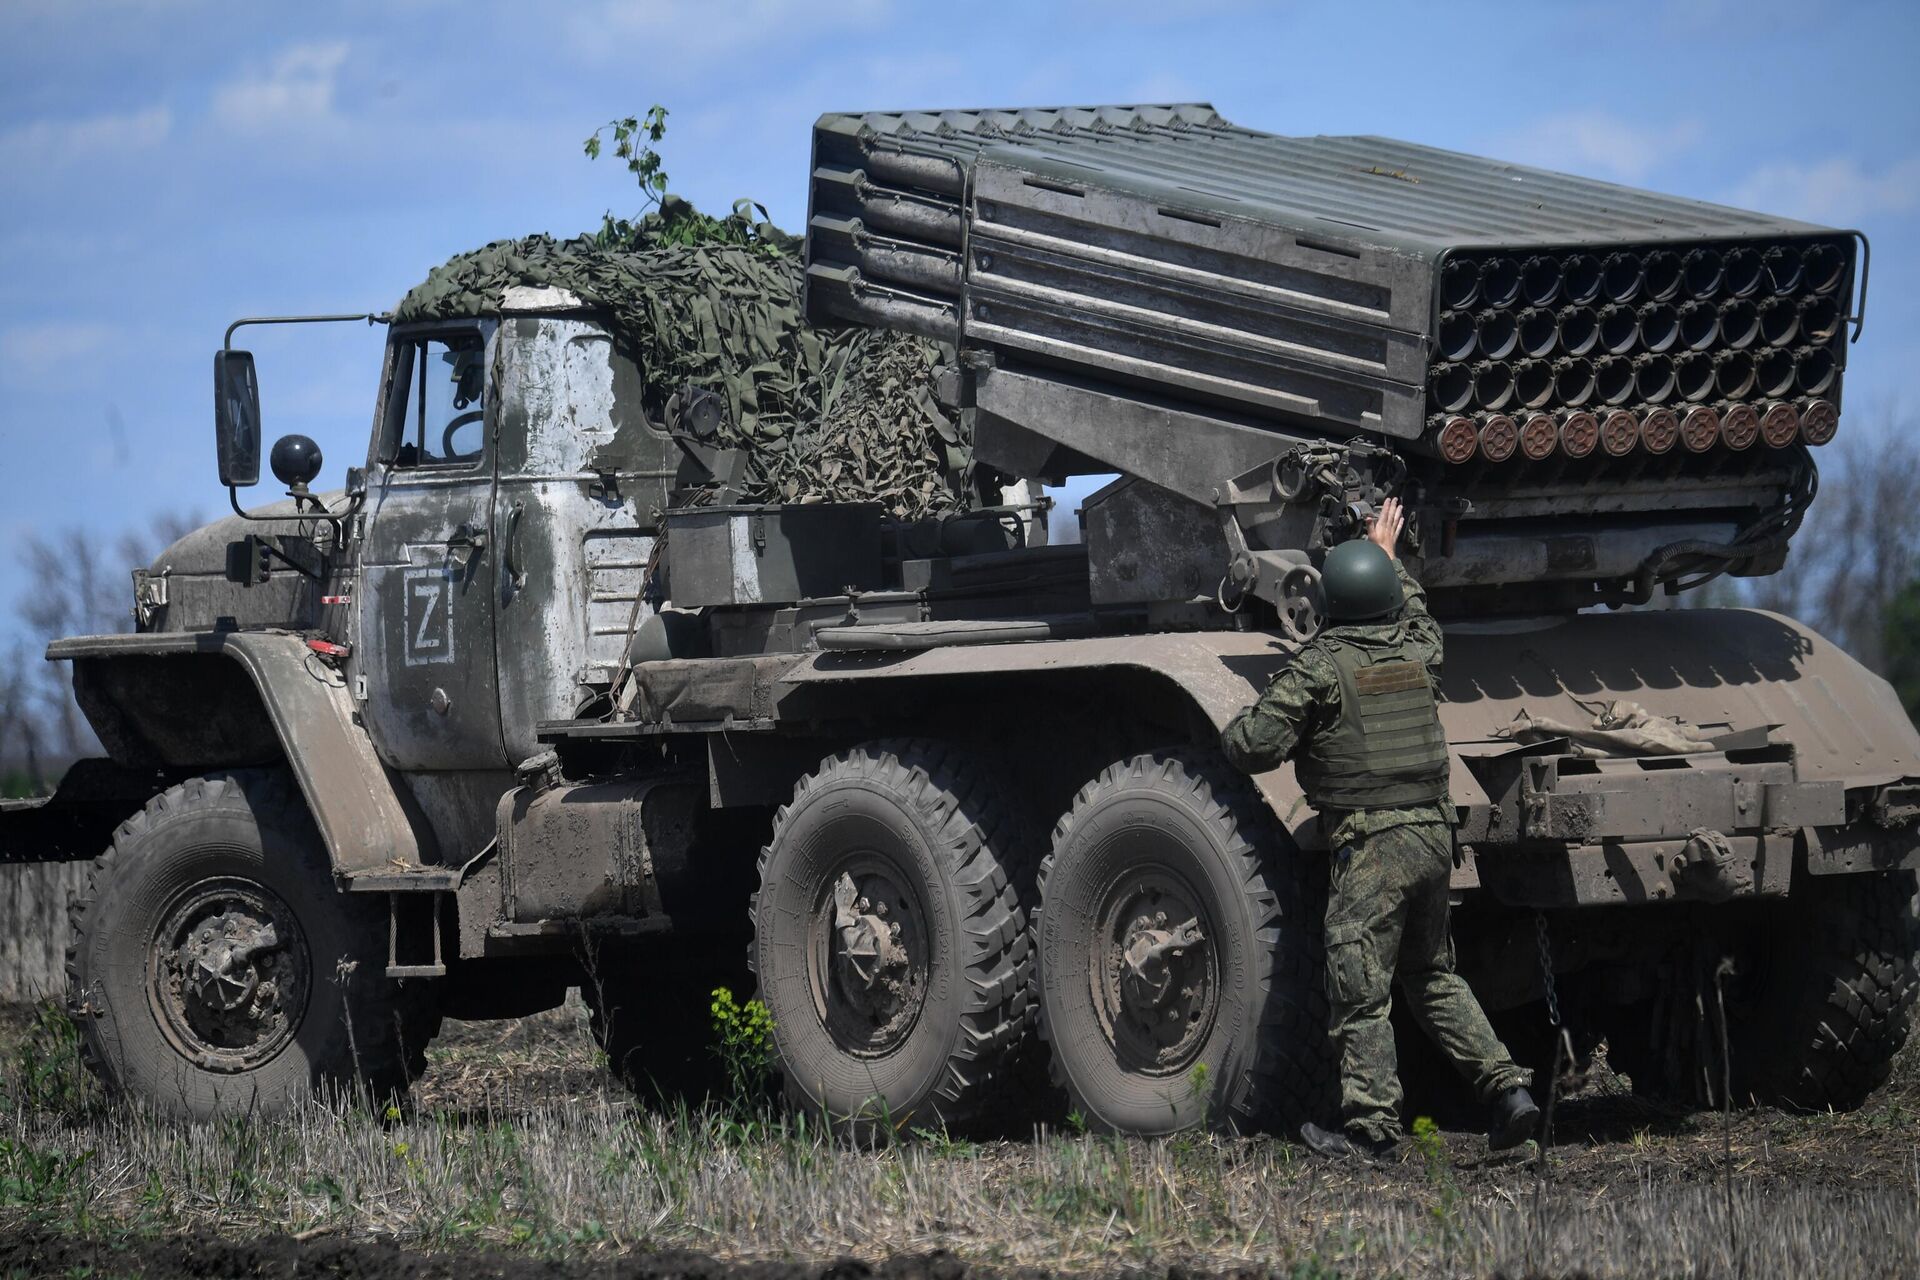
<point x="582" y="480"/>
<point x="426" y="600"/>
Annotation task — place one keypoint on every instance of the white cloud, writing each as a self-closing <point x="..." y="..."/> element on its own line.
<point x="1835" y="190"/>
<point x="43" y="352"/>
<point x="297" y="89"/>
<point x="1600" y="145"/>
<point x="1164" y="86"/>
<point x="45" y="142"/>
<point x="781" y="115"/>
<point x="663" y="32"/>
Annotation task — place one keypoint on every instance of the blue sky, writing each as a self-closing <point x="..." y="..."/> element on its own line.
<point x="170" y="165"/>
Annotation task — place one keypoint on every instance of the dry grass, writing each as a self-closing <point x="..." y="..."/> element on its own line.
<point x="518" y="1141"/>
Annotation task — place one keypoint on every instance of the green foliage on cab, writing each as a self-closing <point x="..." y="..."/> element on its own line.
<point x="666" y="219"/>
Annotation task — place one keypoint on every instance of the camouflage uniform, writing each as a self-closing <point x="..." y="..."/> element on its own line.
<point x="1387" y="905"/>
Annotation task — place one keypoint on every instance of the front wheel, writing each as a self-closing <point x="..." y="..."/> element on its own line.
<point x="214" y="967"/>
<point x="890" y="942"/>
<point x="1180" y="954"/>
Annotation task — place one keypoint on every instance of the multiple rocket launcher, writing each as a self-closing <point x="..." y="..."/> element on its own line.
<point x="1468" y="309"/>
<point x="1596" y="390"/>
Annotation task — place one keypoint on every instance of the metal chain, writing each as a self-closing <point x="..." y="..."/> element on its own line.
<point x="1546" y="968"/>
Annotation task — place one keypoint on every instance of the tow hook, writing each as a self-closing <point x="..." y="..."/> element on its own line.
<point x="1708" y="869"/>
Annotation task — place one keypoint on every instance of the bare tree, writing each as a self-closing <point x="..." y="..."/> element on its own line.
<point x="1860" y="545"/>
<point x="20" y="730"/>
<point x="76" y="588"/>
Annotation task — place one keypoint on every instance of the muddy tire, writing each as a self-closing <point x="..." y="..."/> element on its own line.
<point x="651" y="1013"/>
<point x="215" y="968"/>
<point x="1150" y="1032"/>
<point x="890" y="941"/>
<point x="1838" y="995"/>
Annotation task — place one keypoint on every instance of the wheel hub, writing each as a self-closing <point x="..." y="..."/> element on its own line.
<point x="875" y="970"/>
<point x="1157" y="991"/>
<point x="219" y="960"/>
<point x="228" y="975"/>
<point x="870" y="955"/>
<point x="1155" y="958"/>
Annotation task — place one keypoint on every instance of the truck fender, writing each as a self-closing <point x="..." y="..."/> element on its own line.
<point x="128" y="686"/>
<point x="1729" y="668"/>
<point x="1217" y="672"/>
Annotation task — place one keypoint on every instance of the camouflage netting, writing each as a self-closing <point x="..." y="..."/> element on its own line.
<point x="823" y="415"/>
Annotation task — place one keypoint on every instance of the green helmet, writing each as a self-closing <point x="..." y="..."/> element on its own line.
<point x="1359" y="583"/>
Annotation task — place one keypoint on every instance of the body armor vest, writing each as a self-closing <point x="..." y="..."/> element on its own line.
<point x="1387" y="750"/>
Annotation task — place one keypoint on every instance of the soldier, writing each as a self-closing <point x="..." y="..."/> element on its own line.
<point x="1355" y="712"/>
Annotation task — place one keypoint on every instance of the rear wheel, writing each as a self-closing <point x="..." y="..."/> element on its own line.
<point x="214" y="966"/>
<point x="1832" y="1000"/>
<point x="1818" y="999"/>
<point x="890" y="942"/>
<point x="1180" y="954"/>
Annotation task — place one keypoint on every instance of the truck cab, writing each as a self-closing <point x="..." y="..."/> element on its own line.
<point x="516" y="490"/>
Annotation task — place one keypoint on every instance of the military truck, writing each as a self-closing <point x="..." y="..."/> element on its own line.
<point x="536" y="702"/>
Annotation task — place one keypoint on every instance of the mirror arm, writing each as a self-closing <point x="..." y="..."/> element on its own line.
<point x="357" y="500"/>
<point x="335" y="519"/>
<point x="371" y="317"/>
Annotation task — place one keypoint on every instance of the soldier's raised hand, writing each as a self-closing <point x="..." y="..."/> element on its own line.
<point x="1387" y="523"/>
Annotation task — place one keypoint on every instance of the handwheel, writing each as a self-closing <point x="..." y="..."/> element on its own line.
<point x="446" y="436"/>
<point x="1301" y="608"/>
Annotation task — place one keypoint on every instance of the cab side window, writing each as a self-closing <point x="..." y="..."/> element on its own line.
<point x="437" y="416"/>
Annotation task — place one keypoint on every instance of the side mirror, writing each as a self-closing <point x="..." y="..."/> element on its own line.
<point x="236" y="418"/>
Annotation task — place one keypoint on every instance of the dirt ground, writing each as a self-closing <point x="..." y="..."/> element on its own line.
<point x="1845" y="1187"/>
<point x="1603" y="1135"/>
<point x="39" y="1253"/>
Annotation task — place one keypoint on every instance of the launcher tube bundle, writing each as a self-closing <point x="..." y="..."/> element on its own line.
<point x="1160" y="292"/>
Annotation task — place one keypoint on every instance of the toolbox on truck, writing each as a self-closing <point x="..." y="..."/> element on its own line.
<point x="774" y="554"/>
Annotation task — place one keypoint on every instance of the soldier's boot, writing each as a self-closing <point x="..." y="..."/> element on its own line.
<point x="1515" y="1119"/>
<point x="1335" y="1145"/>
